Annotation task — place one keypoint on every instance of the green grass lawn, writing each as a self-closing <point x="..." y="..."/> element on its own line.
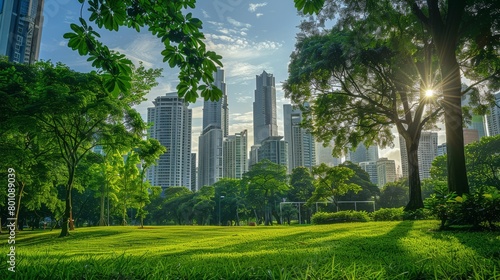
<point x="374" y="250"/>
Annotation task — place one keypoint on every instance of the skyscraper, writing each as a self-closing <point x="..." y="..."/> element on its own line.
<point x="21" y="29"/>
<point x="427" y="151"/>
<point x="235" y="155"/>
<point x="215" y="128"/>
<point x="172" y="121"/>
<point x="493" y="118"/>
<point x="264" y="108"/>
<point x="301" y="145"/>
<point x="371" y="168"/>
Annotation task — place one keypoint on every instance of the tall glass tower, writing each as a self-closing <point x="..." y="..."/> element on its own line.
<point x="215" y="128"/>
<point x="264" y="108"/>
<point x="21" y="29"/>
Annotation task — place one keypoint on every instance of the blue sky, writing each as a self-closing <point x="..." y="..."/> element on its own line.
<point x="251" y="37"/>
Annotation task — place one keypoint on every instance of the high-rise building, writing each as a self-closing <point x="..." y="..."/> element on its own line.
<point x="21" y="29"/>
<point x="371" y="168"/>
<point x="362" y="153"/>
<point x="215" y="128"/>
<point x="301" y="145"/>
<point x="386" y="171"/>
<point x="493" y="118"/>
<point x="171" y="125"/>
<point x="441" y="149"/>
<point x="235" y="155"/>
<point x="264" y="108"/>
<point x="254" y="156"/>
<point x="274" y="149"/>
<point x="427" y="151"/>
<point x="477" y="122"/>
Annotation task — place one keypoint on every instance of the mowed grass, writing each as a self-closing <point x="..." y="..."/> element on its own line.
<point x="374" y="250"/>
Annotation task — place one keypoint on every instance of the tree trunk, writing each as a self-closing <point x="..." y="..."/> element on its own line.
<point x="102" y="218"/>
<point x="20" y="195"/>
<point x="237" y="216"/>
<point x="415" y="191"/>
<point x="67" y="214"/>
<point x="457" y="173"/>
<point x="445" y="34"/>
<point x="67" y="221"/>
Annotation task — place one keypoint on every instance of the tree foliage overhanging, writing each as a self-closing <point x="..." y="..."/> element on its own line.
<point x="169" y="21"/>
<point x="463" y="34"/>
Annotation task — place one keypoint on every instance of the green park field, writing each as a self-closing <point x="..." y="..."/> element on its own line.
<point x="373" y="250"/>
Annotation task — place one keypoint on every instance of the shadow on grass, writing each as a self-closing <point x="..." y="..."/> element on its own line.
<point x="485" y="243"/>
<point x="251" y="254"/>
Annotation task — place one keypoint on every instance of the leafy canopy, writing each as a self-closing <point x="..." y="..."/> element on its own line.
<point x="170" y="21"/>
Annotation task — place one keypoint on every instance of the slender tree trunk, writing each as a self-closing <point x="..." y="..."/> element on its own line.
<point x="102" y="218"/>
<point x="67" y="214"/>
<point x="415" y="191"/>
<point x="457" y="173"/>
<point x="237" y="216"/>
<point x="67" y="222"/>
<point x="20" y="195"/>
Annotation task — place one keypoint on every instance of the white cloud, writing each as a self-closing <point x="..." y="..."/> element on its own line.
<point x="259" y="14"/>
<point x="143" y="48"/>
<point x="236" y="23"/>
<point x="252" y="7"/>
<point x="205" y="14"/>
<point x="243" y="99"/>
<point x="246" y="117"/>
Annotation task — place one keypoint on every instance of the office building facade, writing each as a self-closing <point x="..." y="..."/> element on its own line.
<point x="215" y="128"/>
<point x="386" y="171"/>
<point x="427" y="151"/>
<point x="274" y="149"/>
<point x="264" y="108"/>
<point x="21" y="29"/>
<point x="493" y="118"/>
<point x="235" y="155"/>
<point x="301" y="144"/>
<point x="171" y="125"/>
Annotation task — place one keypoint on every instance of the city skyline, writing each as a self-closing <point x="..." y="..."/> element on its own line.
<point x="251" y="37"/>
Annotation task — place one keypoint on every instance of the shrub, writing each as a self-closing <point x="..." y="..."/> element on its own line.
<point x="388" y="214"/>
<point x="321" y="218"/>
<point x="419" y="214"/>
<point x="476" y="209"/>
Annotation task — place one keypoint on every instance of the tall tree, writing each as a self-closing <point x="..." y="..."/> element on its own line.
<point x="94" y="117"/>
<point x="129" y="182"/>
<point x="149" y="151"/>
<point x="331" y="182"/>
<point x="266" y="184"/>
<point x="357" y="89"/>
<point x="176" y="200"/>
<point x="169" y="21"/>
<point x="465" y="36"/>
<point x="301" y="189"/>
<point x="234" y="199"/>
<point x="362" y="179"/>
